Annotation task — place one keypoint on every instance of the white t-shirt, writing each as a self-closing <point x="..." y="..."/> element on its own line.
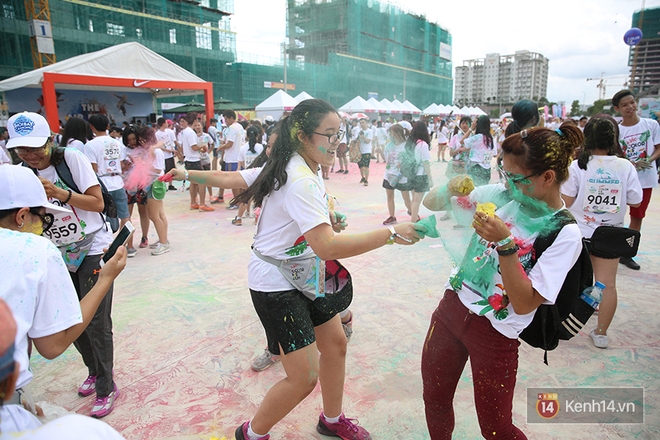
<point x="167" y="137"/>
<point x="37" y="287"/>
<point x="297" y="207"/>
<point x="188" y="139"/>
<point x="213" y="132"/>
<point x="602" y="192"/>
<point x="14" y="418"/>
<point x="68" y="427"/>
<point x="246" y="156"/>
<point x="443" y="135"/>
<point x="381" y="134"/>
<point x="480" y="153"/>
<point x="365" y="148"/>
<point x="107" y="154"/>
<point x="159" y="161"/>
<point x="205" y="140"/>
<point x="393" y="167"/>
<point x="422" y="154"/>
<point x="233" y="133"/>
<point x="546" y="276"/>
<point x="355" y="131"/>
<point x="4" y="158"/>
<point x="84" y="177"/>
<point x="638" y="142"/>
<point x="75" y="143"/>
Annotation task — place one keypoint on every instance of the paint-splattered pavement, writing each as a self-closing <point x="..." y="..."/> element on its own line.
<point x="185" y="332"/>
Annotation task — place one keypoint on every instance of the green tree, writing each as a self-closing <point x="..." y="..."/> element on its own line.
<point x="599" y="107"/>
<point x="543" y="101"/>
<point x="575" y="108"/>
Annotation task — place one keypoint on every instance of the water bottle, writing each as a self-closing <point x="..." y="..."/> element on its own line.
<point x="592" y="295"/>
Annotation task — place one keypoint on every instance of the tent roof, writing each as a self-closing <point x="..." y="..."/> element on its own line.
<point x="128" y="60"/>
<point x="381" y="108"/>
<point x="302" y="96"/>
<point x="387" y="103"/>
<point x="279" y="100"/>
<point x="432" y="110"/>
<point x="357" y="104"/>
<point x="411" y="107"/>
<point x="398" y="107"/>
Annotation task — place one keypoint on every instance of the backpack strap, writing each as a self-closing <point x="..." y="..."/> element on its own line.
<point x="64" y="172"/>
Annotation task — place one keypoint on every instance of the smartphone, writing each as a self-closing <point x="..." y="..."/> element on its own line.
<point x="120" y="240"/>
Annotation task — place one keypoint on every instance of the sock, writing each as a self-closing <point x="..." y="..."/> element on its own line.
<point x="332" y="420"/>
<point x="344" y="314"/>
<point x="253" y="435"/>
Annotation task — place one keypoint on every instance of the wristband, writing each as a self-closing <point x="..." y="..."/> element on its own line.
<point x="509" y="251"/>
<point x="392" y="236"/>
<point x="68" y="198"/>
<point x="185" y="175"/>
<point x="505" y="241"/>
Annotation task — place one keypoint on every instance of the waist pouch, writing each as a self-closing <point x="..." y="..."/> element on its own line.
<point x="614" y="240"/>
<point x="74" y="253"/>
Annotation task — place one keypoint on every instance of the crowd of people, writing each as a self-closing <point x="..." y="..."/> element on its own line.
<point x="54" y="217"/>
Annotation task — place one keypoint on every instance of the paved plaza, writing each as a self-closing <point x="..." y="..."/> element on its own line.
<point x="185" y="333"/>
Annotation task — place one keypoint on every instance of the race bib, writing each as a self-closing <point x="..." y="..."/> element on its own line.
<point x="67" y="228"/>
<point x="601" y="198"/>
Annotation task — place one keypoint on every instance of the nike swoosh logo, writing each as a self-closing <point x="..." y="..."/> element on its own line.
<point x="137" y="83"/>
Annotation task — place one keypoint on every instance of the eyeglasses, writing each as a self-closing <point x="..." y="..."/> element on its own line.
<point x="46" y="219"/>
<point x="332" y="138"/>
<point x="514" y="178"/>
<point x="42" y="151"/>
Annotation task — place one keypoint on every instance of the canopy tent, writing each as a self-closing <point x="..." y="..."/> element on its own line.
<point x="387" y="104"/>
<point x="432" y="110"/>
<point x="445" y="109"/>
<point x="128" y="67"/>
<point x="380" y="108"/>
<point x="398" y="107"/>
<point x="358" y="104"/>
<point x="218" y="106"/>
<point x="464" y="111"/>
<point x="276" y="105"/>
<point x="303" y="96"/>
<point x="410" y="106"/>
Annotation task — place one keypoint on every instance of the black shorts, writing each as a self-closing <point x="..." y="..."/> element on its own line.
<point x="193" y="166"/>
<point x="289" y="317"/>
<point x="215" y="152"/>
<point x="364" y="160"/>
<point x="418" y="184"/>
<point x="387" y="185"/>
<point x="140" y="197"/>
<point x="206" y="167"/>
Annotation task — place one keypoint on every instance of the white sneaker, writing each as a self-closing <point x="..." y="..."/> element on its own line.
<point x="161" y="249"/>
<point x="600" y="341"/>
<point x="264" y="360"/>
<point x="154" y="245"/>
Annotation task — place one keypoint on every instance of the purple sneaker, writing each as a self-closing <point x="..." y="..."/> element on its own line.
<point x="242" y="433"/>
<point x="87" y="387"/>
<point x="344" y="428"/>
<point x="104" y="405"/>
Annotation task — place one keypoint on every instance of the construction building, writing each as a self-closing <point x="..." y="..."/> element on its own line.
<point x="644" y="58"/>
<point x="501" y="79"/>
<point x="336" y="49"/>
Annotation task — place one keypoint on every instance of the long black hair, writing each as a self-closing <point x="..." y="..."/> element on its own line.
<point x="253" y="138"/>
<point x="600" y="133"/>
<point x="483" y="127"/>
<point x="525" y="114"/>
<point x="261" y="160"/>
<point x="419" y="132"/>
<point x="303" y="121"/>
<point x="75" y="128"/>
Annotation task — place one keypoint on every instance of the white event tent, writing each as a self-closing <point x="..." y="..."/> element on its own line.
<point x="380" y="107"/>
<point x="276" y="105"/>
<point x="410" y="106"/>
<point x="358" y="105"/>
<point x="303" y="96"/>
<point x="433" y="110"/>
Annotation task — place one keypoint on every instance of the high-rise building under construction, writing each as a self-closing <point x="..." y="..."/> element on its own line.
<point x="336" y="49"/>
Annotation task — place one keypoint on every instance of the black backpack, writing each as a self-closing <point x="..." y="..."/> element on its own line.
<point x="64" y="173"/>
<point x="566" y="317"/>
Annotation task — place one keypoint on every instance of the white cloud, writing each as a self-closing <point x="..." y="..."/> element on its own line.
<point x="581" y="38"/>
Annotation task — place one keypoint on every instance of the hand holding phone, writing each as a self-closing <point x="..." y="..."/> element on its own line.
<point x="120" y="240"/>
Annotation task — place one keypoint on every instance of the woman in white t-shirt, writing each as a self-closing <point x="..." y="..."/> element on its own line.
<point x="418" y="143"/>
<point x="443" y="138"/>
<point x="500" y="281"/>
<point x="246" y="156"/>
<point x="599" y="187"/>
<point x="482" y="150"/>
<point x="295" y="223"/>
<point x="392" y="176"/>
<point x="75" y="134"/>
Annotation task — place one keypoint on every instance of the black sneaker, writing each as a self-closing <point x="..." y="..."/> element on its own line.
<point x="629" y="263"/>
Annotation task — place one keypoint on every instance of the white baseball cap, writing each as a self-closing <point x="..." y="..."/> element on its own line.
<point x="21" y="188"/>
<point x="405" y="124"/>
<point x="27" y="129"/>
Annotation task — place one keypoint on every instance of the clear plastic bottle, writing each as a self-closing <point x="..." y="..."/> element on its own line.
<point x="593" y="295"/>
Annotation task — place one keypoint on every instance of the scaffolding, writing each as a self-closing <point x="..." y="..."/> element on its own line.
<point x="644" y="58"/>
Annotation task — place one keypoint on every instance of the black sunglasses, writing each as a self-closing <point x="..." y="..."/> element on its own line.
<point x="46" y="219"/>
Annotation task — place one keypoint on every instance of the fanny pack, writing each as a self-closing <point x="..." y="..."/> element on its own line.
<point x="74" y="253"/>
<point x="305" y="274"/>
<point x="615" y="240"/>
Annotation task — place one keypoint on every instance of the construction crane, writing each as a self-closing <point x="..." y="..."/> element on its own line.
<point x="602" y="83"/>
<point x="41" y="37"/>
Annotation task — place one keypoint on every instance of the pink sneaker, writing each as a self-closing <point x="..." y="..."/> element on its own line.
<point x="344" y="428"/>
<point x="87" y="387"/>
<point x="104" y="405"/>
<point x="242" y="433"/>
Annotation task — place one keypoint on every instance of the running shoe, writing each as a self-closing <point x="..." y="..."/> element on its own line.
<point x="362" y="180"/>
<point x="600" y="341"/>
<point x="154" y="245"/>
<point x="264" y="360"/>
<point x="232" y="207"/>
<point x="345" y="171"/>
<point x="237" y="221"/>
<point x="194" y="206"/>
<point x="390" y="221"/>
<point x="205" y="208"/>
<point x="215" y="200"/>
<point x="242" y="433"/>
<point x="345" y="429"/>
<point x="131" y="252"/>
<point x="89" y="385"/>
<point x="161" y="249"/>
<point x="629" y="262"/>
<point x="104" y="405"/>
<point x="144" y="242"/>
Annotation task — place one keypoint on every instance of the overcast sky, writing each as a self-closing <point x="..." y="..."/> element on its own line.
<point x="581" y="38"/>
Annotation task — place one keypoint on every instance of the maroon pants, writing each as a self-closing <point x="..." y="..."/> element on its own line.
<point x="454" y="335"/>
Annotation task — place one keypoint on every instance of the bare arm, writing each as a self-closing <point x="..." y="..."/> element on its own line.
<point x="226" y="145"/>
<point x="54" y="345"/>
<point x="91" y="201"/>
<point x="222" y="179"/>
